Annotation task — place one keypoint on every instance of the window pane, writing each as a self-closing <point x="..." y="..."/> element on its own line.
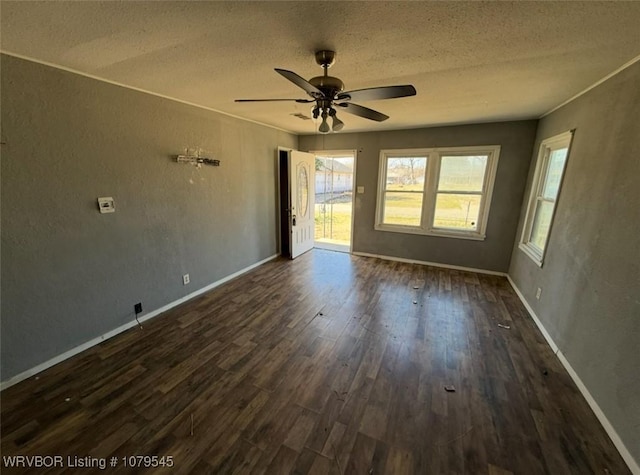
<point x="402" y="208"/>
<point x="457" y="211"/>
<point x="554" y="173"/>
<point x="541" y="224"/>
<point x="462" y="173"/>
<point x="406" y="173"/>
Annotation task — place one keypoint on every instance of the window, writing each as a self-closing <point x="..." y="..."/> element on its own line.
<point x="545" y="188"/>
<point x="439" y="191"/>
<point x="404" y="190"/>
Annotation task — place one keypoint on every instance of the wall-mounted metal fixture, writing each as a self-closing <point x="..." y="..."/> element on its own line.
<point x="194" y="158"/>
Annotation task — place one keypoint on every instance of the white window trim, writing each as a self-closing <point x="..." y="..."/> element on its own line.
<point x="546" y="147"/>
<point x="430" y="190"/>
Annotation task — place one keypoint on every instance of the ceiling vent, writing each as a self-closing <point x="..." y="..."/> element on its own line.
<point x="301" y="116"/>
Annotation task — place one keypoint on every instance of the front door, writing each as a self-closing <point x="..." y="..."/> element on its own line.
<point x="301" y="193"/>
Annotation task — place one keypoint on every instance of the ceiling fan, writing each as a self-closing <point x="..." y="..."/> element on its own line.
<point x="327" y="93"/>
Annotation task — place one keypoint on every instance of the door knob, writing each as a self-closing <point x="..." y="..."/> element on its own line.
<point x="293" y="220"/>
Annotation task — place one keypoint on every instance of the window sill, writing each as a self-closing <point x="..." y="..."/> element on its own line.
<point x="472" y="236"/>
<point x="534" y="256"/>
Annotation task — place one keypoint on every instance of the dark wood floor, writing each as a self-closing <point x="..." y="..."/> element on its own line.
<point x="326" y="364"/>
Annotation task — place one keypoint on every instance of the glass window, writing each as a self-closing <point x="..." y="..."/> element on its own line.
<point x="552" y="159"/>
<point x="444" y="192"/>
<point x="460" y="188"/>
<point x="404" y="190"/>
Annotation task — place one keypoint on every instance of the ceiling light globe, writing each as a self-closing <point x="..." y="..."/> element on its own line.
<point x="324" y="126"/>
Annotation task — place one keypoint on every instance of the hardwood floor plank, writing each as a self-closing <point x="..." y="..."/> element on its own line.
<point x="361" y="457"/>
<point x="324" y="365"/>
<point x="399" y="461"/>
<point x="284" y="461"/>
<point x="330" y="449"/>
<point x="304" y="462"/>
<point x="300" y="431"/>
<point x="323" y="466"/>
<point x="324" y="422"/>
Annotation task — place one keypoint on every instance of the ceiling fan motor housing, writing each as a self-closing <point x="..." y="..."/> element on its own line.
<point x="329" y="85"/>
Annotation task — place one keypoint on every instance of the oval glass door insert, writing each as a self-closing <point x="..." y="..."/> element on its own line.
<point x="303" y="190"/>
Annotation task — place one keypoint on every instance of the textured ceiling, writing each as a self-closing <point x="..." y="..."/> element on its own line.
<point x="470" y="62"/>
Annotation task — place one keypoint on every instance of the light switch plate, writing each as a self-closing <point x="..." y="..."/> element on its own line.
<point x="361" y="190"/>
<point x="106" y="205"/>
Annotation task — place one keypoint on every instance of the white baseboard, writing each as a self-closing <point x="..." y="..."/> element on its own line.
<point x="613" y="435"/>
<point x="95" y="341"/>
<point x="535" y="318"/>
<point x="611" y="432"/>
<point x="427" y="263"/>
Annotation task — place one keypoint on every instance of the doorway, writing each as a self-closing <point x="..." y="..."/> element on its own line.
<point x="334" y="195"/>
<point x="296" y="182"/>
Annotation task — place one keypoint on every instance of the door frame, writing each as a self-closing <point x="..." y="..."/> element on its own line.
<point x="283" y="231"/>
<point x="353" y="152"/>
<point x="284" y="228"/>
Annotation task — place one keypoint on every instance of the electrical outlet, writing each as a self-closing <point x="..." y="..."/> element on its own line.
<point x="185" y="279"/>
<point x="538" y="293"/>
<point x="138" y="308"/>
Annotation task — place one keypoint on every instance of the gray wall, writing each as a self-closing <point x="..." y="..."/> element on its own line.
<point x="590" y="280"/>
<point x="69" y="273"/>
<point x="494" y="253"/>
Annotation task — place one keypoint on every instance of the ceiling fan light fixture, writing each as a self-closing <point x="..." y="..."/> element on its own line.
<point x="324" y="126"/>
<point x="327" y="92"/>
<point x="315" y="114"/>
<point x="337" y="123"/>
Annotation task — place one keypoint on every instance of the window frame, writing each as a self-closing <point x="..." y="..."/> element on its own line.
<point x="547" y="146"/>
<point x="430" y="190"/>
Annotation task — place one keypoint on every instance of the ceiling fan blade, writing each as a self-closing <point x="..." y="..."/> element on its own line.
<point x="300" y="82"/>
<point x="377" y="93"/>
<point x="361" y="111"/>
<point x="301" y="101"/>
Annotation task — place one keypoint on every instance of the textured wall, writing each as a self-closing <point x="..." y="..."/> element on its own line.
<point x="590" y="280"/>
<point x="494" y="253"/>
<point x="69" y="273"/>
